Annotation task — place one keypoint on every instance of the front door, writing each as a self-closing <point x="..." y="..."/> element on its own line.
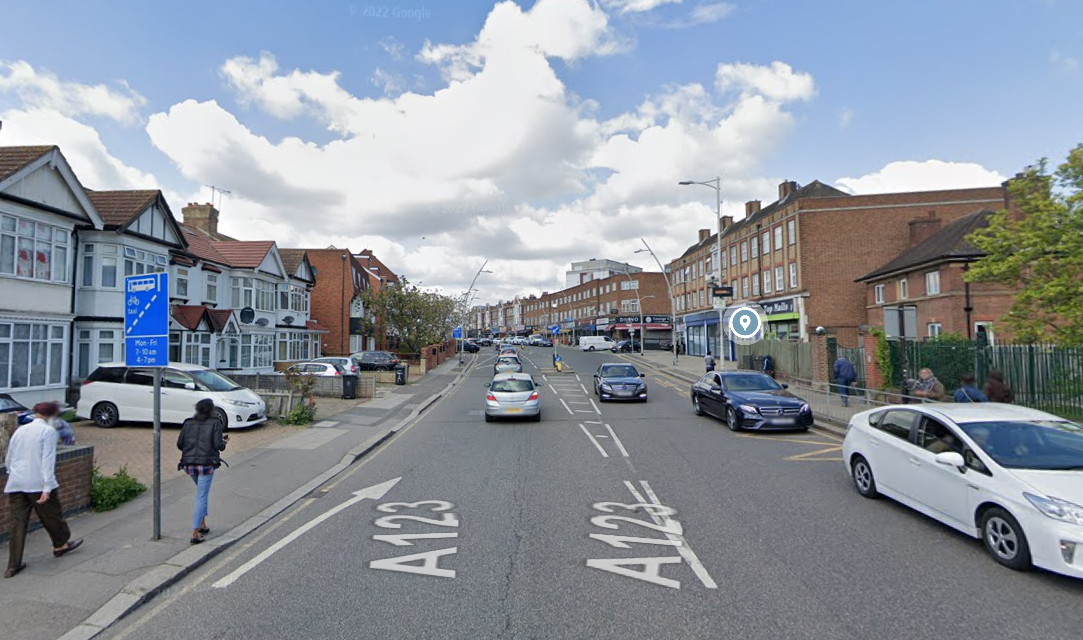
<point x="890" y="450"/>
<point x="939" y="488"/>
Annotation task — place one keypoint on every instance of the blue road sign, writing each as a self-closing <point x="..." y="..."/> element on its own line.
<point x="146" y="320"/>
<point x="555" y="328"/>
<point x="457" y="333"/>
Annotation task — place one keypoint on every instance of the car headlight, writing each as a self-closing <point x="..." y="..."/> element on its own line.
<point x="605" y="386"/>
<point x="238" y="403"/>
<point x="805" y="408"/>
<point x="1056" y="508"/>
<point x="747" y="408"/>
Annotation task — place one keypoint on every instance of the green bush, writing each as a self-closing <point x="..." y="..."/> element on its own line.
<point x="300" y="415"/>
<point x="109" y="492"/>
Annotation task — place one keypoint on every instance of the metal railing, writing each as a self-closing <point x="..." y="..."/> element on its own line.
<point x="826" y="401"/>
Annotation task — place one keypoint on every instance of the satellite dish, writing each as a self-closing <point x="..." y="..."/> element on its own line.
<point x="288" y="319"/>
<point x="247" y="315"/>
<point x="262" y="322"/>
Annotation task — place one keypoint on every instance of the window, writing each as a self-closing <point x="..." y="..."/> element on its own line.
<point x="780" y="279"/>
<point x="212" y="288"/>
<point x="793" y="275"/>
<point x="778" y="239"/>
<point x="932" y="283"/>
<point x="257" y="350"/>
<point x="629" y="285"/>
<point x="33" y="250"/>
<point x="174" y="346"/>
<point x="744" y="287"/>
<point x="244" y="293"/>
<point x="744" y="251"/>
<point x="294" y="345"/>
<point x="936" y="438"/>
<point x="197" y="349"/>
<point x="934" y="329"/>
<point x="791" y="231"/>
<point x="755" y="284"/>
<point x="182" y="282"/>
<point x="765" y="242"/>
<point x="629" y="306"/>
<point x="733" y="255"/>
<point x="755" y="246"/>
<point x="983" y="332"/>
<point x="32" y="354"/>
<point x="878" y="293"/>
<point x="138" y="262"/>
<point x="767" y="282"/>
<point x="903" y="289"/>
<point x="88" y="265"/>
<point x="898" y="423"/>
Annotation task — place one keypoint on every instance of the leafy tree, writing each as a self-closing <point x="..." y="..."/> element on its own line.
<point x="1040" y="251"/>
<point x="414" y="316"/>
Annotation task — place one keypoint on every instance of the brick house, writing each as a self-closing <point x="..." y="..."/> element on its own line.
<point x="336" y="297"/>
<point x="921" y="292"/>
<point x="378" y="275"/>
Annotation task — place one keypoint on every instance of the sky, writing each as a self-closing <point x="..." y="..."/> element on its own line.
<point x="525" y="135"/>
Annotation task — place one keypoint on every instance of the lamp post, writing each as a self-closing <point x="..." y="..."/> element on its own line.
<point x="672" y="301"/>
<point x="715" y="184"/>
<point x="466" y="308"/>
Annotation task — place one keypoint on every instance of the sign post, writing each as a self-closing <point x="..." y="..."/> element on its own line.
<point x="146" y="344"/>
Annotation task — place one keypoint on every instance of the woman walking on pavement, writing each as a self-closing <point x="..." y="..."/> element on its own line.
<point x="201" y="443"/>
<point x="995" y="388"/>
<point x="32" y="486"/>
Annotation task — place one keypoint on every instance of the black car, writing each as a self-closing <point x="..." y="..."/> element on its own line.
<point x="619" y="381"/>
<point x="750" y="400"/>
<point x="471" y="347"/>
<point x="545" y="342"/>
<point x="10" y="405"/>
<point x="626" y="346"/>
<point x="376" y="360"/>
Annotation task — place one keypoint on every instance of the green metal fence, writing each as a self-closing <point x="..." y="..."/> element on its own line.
<point x="791" y="358"/>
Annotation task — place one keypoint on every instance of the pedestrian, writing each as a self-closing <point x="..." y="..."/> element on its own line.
<point x="769" y="365"/>
<point x="927" y="386"/>
<point x="995" y="388"/>
<point x="32" y="486"/>
<point x="845" y="375"/>
<point x="709" y="361"/>
<point x="969" y="392"/>
<point x="201" y="442"/>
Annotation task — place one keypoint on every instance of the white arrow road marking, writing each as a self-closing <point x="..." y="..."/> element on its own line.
<point x="592" y="439"/>
<point x="686" y="552"/>
<point x="374" y="492"/>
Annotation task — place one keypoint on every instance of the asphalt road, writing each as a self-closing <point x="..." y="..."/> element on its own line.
<point x="773" y="543"/>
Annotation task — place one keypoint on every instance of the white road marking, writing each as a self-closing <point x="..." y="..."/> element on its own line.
<point x="592" y="422"/>
<point x="596" y="409"/>
<point x="577" y="376"/>
<point x="570" y="412"/>
<point x="600" y="449"/>
<point x="430" y="567"/>
<point x="545" y="377"/>
<point x="374" y="492"/>
<point x="402" y="539"/>
<point x="650" y="573"/>
<point x="685" y="550"/>
<point x="578" y="402"/>
<point x="584" y="389"/>
<point x="582" y="411"/>
<point x="598" y="435"/>
<point x="620" y="445"/>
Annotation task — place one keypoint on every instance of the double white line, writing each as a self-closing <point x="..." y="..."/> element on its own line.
<point x="594" y="439"/>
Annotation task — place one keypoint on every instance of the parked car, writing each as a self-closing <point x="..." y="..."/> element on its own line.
<point x="471" y="347"/>
<point x="1008" y="475"/>
<point x="349" y="365"/>
<point x="750" y="400"/>
<point x="376" y="360"/>
<point x="115" y="392"/>
<point x="596" y="343"/>
<point x="512" y="395"/>
<point x="619" y="381"/>
<point x="315" y="368"/>
<point x="10" y="405"/>
<point x="508" y="363"/>
<point x="545" y="342"/>
<point x="626" y="346"/>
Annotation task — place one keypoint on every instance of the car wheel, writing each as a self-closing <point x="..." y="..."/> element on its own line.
<point x="696" y="406"/>
<point x="732" y="420"/>
<point x="1004" y="539"/>
<point x="105" y="415"/>
<point x="591" y="348"/>
<point x="537" y="418"/>
<point x="221" y="415"/>
<point x="863" y="478"/>
<point x="488" y="418"/>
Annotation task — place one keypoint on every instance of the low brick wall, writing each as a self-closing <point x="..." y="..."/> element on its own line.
<point x="74" y="466"/>
<point x="326" y="386"/>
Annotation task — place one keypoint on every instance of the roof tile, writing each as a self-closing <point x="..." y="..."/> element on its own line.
<point x="12" y="159"/>
<point x="946" y="243"/>
<point x="117" y="208"/>
<point x="244" y="254"/>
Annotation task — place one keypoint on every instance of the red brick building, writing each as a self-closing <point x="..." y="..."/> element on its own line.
<point x="336" y="304"/>
<point x="378" y="275"/>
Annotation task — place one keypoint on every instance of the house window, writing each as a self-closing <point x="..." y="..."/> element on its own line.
<point x="257" y="350"/>
<point x="780" y="279"/>
<point x="33" y="250"/>
<point x="932" y="283"/>
<point x="244" y="293"/>
<point x="32" y="354"/>
<point x="778" y="239"/>
<point x="744" y="251"/>
<point x="755" y="284"/>
<point x="933" y="329"/>
<point x="733" y="285"/>
<point x="878" y="293"/>
<point x="174" y="346"/>
<point x="733" y="255"/>
<point x="767" y="282"/>
<point x="88" y="265"/>
<point x="755" y="246"/>
<point x="744" y="287"/>
<point x="903" y="289"/>
<point x="182" y="282"/>
<point x="137" y="262"/>
<point x="294" y="345"/>
<point x="212" y="288"/>
<point x="629" y="306"/>
<point x="765" y="240"/>
<point x="791" y="231"/>
<point x="793" y="275"/>
<point x="197" y="349"/>
<point x="629" y="285"/>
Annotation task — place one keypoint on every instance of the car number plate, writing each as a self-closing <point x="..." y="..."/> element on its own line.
<point x="513" y="410"/>
<point x="783" y="421"/>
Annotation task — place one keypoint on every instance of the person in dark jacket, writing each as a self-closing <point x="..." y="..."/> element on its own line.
<point x="995" y="388"/>
<point x="201" y="442"/>
<point x="769" y="365"/>
<point x="845" y="375"/>
<point x="969" y="391"/>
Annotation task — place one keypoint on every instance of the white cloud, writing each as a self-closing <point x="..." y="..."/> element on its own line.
<point x="701" y="14"/>
<point x="636" y="6"/>
<point x="910" y="175"/>
<point x="846" y="116"/>
<point x="776" y="82"/>
<point x="1067" y="63"/>
<point x="43" y="90"/>
<point x="393" y="48"/>
<point x="389" y="82"/>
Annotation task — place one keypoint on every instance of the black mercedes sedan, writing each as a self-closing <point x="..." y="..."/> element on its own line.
<point x="619" y="381"/>
<point x="750" y="400"/>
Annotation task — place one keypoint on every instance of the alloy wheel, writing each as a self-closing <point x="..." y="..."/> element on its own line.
<point x="1002" y="539"/>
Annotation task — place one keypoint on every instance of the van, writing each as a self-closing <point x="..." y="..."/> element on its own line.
<point x="115" y="392"/>
<point x="595" y="343"/>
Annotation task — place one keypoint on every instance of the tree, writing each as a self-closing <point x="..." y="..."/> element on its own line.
<point x="416" y="317"/>
<point x="1040" y="251"/>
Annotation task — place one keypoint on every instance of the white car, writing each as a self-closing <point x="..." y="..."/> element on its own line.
<point x="320" y="368"/>
<point x="1008" y="475"/>
<point x="115" y="392"/>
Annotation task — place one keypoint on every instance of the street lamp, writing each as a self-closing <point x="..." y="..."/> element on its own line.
<point x="672" y="300"/>
<point x="715" y="184"/>
<point x="462" y="340"/>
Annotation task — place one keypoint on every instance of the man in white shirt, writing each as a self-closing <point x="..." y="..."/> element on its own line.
<point x="32" y="485"/>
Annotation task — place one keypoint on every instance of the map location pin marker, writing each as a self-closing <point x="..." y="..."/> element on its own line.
<point x="744" y="320"/>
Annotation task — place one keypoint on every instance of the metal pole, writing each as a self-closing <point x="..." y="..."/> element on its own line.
<point x="717" y="262"/>
<point x="672" y="301"/>
<point x="157" y="453"/>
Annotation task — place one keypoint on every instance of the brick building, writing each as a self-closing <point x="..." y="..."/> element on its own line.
<point x="336" y="297"/>
<point x="378" y="275"/>
<point x="921" y="292"/>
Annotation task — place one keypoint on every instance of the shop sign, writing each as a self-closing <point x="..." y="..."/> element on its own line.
<point x="779" y="307"/>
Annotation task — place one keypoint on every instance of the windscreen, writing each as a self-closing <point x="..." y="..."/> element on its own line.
<point x="512" y="386"/>
<point x="750" y="383"/>
<point x="1039" y="444"/>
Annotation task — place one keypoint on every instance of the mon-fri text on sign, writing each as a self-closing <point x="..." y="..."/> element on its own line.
<point x="146" y="320"/>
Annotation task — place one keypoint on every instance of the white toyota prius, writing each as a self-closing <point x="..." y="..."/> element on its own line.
<point x="1009" y="475"/>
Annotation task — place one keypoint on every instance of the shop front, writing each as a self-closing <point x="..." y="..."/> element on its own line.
<point x="701" y="333"/>
<point x="658" y="328"/>
<point x="783" y="319"/>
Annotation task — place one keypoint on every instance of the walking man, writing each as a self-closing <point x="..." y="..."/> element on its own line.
<point x="709" y="361"/>
<point x="845" y="375"/>
<point x="32" y="486"/>
<point x="970" y="392"/>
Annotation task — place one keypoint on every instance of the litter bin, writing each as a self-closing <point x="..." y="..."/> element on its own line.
<point x="400" y="374"/>
<point x="349" y="386"/>
<point x="746" y="362"/>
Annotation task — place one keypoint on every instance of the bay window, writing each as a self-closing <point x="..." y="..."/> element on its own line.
<point x="32" y="354"/>
<point x="33" y="250"/>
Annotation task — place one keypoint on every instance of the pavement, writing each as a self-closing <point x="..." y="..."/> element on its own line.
<point x="604" y="521"/>
<point x="119" y="566"/>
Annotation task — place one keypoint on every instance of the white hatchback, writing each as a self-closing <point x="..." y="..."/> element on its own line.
<point x="1008" y="475"/>
<point x="115" y="392"/>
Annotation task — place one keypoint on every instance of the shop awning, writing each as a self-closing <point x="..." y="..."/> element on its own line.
<point x="651" y="326"/>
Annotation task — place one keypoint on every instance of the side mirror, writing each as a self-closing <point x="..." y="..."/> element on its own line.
<point x="642" y="375"/>
<point x="785" y="386"/>
<point x="191" y="386"/>
<point x="950" y="459"/>
<point x="716" y="389"/>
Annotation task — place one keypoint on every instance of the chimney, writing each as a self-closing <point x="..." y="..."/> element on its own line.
<point x="752" y="206"/>
<point x="785" y="189"/>
<point x="922" y="228"/>
<point x="201" y="216"/>
<point x="704" y="234"/>
<point x="727" y="222"/>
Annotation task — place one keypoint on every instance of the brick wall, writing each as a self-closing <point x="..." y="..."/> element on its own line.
<point x="874" y="378"/>
<point x="821" y="367"/>
<point x="73" y="470"/>
<point x="335" y="288"/>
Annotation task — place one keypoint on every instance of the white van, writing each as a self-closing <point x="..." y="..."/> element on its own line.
<point x="595" y="343"/>
<point x="115" y="392"/>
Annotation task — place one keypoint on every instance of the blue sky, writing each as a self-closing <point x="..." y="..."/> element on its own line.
<point x="986" y="87"/>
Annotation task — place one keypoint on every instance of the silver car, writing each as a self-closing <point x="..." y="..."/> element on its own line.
<point x="508" y="364"/>
<point x="512" y="395"/>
